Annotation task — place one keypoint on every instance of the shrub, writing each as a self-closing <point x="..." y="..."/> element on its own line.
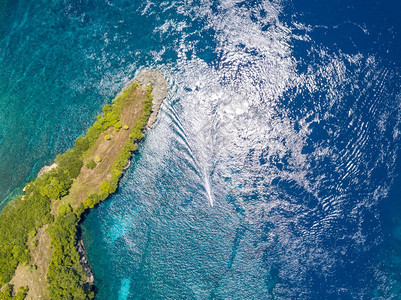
<point x="21" y="293"/>
<point x="105" y="187"/>
<point x="82" y="144"/>
<point x="54" y="188"/>
<point x="107" y="109"/>
<point x="111" y="118"/>
<point x="90" y="202"/>
<point x="80" y="210"/>
<point x="64" y="209"/>
<point x="7" y="293"/>
<point x="32" y="233"/>
<point x="91" y="164"/>
<point x="107" y="137"/>
<point x="71" y="162"/>
<point x="126" y="127"/>
<point x="98" y="159"/>
<point x="117" y="126"/>
<point x="136" y="134"/>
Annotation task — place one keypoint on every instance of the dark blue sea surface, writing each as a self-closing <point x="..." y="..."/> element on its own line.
<point x="273" y="169"/>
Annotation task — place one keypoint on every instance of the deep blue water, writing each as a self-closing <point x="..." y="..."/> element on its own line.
<point x="273" y="170"/>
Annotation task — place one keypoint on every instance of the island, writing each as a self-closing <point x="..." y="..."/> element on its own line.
<point x="42" y="255"/>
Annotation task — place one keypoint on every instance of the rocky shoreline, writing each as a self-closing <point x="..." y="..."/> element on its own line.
<point x="84" y="260"/>
<point x="46" y="169"/>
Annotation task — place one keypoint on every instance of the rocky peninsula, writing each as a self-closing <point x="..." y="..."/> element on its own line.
<point x="42" y="255"/>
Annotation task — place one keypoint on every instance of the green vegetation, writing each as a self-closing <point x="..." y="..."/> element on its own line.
<point x="107" y="137"/>
<point x="120" y="162"/>
<point x="64" y="209"/>
<point x="22" y="217"/>
<point x="117" y="126"/>
<point x="32" y="233"/>
<point x="8" y="293"/>
<point x="18" y="219"/>
<point x="91" y="164"/>
<point x="65" y="275"/>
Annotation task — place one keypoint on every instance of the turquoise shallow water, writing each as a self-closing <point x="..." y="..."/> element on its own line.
<point x="272" y="171"/>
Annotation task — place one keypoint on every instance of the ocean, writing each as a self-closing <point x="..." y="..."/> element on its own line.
<point x="273" y="169"/>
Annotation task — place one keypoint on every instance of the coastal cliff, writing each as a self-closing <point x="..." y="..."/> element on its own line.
<point x="43" y="256"/>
